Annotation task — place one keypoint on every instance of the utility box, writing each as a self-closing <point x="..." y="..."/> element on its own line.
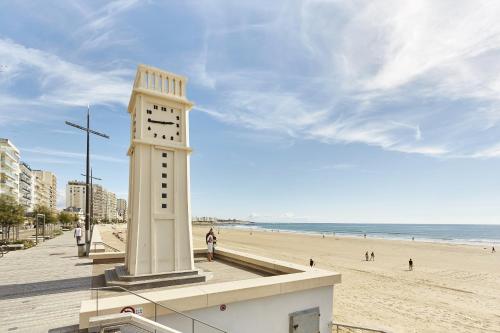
<point x="306" y="321"/>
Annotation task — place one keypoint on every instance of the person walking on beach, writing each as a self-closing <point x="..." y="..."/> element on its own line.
<point x="410" y="265"/>
<point x="210" y="245"/>
<point x="366" y="255"/>
<point x="78" y="234"/>
<point x="493" y="249"/>
<point x="311" y="262"/>
<point x="372" y="256"/>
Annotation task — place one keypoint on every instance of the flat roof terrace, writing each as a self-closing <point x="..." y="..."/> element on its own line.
<point x="234" y="276"/>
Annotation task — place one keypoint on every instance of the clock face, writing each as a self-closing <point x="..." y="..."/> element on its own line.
<point x="162" y="123"/>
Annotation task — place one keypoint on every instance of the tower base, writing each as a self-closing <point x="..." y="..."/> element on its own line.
<point x="119" y="276"/>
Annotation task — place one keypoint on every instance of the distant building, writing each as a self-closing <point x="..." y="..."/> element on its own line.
<point x="111" y="213"/>
<point x="9" y="169"/>
<point x="26" y="187"/>
<point x="121" y="209"/>
<point x="75" y="195"/>
<point x="45" y="189"/>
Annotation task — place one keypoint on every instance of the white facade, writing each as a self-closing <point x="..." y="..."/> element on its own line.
<point x="159" y="232"/>
<point x="9" y="169"/>
<point x="45" y="191"/>
<point x="267" y="314"/>
<point x="111" y="212"/>
<point x="75" y="195"/>
<point x="26" y="186"/>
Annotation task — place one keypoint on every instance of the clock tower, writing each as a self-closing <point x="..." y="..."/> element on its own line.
<point x="159" y="226"/>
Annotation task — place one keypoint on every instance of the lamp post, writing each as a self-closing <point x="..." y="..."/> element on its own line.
<point x="87" y="175"/>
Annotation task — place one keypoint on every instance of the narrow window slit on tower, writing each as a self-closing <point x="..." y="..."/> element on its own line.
<point x="163" y="185"/>
<point x="163" y="175"/>
<point x="171" y="138"/>
<point x="164" y="165"/>
<point x="164" y="195"/>
<point x="164" y="136"/>
<point x="155" y="107"/>
<point x="164" y="154"/>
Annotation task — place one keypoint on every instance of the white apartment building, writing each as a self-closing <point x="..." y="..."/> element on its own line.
<point x="121" y="209"/>
<point x="26" y="186"/>
<point x="111" y="213"/>
<point x="75" y="195"/>
<point x="104" y="203"/>
<point x="9" y="169"/>
<point x="45" y="189"/>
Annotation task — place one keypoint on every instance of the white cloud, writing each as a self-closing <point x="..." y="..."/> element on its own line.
<point x="59" y="81"/>
<point x="70" y="155"/>
<point x="413" y="77"/>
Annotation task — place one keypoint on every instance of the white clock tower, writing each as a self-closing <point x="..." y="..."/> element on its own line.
<point x="159" y="227"/>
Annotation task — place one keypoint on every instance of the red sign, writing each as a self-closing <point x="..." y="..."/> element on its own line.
<point x="127" y="309"/>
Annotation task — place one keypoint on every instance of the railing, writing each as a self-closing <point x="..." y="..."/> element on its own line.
<point x="338" y="328"/>
<point x="194" y="321"/>
<point x="108" y="247"/>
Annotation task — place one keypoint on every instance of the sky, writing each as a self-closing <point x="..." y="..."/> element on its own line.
<point x="305" y="111"/>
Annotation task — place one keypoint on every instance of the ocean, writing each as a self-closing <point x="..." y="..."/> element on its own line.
<point x="477" y="234"/>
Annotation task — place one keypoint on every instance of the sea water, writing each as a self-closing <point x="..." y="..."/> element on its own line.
<point x="448" y="233"/>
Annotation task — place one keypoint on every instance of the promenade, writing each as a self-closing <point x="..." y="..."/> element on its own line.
<point x="41" y="288"/>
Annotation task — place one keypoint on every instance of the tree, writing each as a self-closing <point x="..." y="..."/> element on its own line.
<point x="66" y="218"/>
<point x="11" y="213"/>
<point x="50" y="217"/>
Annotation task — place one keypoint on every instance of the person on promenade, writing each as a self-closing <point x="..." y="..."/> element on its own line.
<point x="311" y="262"/>
<point x="493" y="249"/>
<point x="210" y="245"/>
<point x="372" y="256"/>
<point x="78" y="234"/>
<point x="366" y="255"/>
<point x="410" y="265"/>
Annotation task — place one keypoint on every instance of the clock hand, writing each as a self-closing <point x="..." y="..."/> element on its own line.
<point x="160" y="122"/>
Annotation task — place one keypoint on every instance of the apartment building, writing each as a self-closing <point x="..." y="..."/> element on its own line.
<point x="45" y="188"/>
<point x="26" y="187"/>
<point x="75" y="194"/>
<point x="9" y="169"/>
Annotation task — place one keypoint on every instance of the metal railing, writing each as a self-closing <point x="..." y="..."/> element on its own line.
<point x="338" y="328"/>
<point x="108" y="247"/>
<point x="156" y="305"/>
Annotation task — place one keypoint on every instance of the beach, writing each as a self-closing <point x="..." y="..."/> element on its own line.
<point x="453" y="288"/>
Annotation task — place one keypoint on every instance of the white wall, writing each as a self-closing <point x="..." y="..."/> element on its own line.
<point x="265" y="315"/>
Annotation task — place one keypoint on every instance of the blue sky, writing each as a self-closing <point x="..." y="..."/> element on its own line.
<point x="339" y="111"/>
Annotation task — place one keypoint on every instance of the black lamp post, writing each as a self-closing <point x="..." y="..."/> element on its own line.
<point x="87" y="175"/>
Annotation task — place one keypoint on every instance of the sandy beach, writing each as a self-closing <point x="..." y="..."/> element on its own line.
<point x="453" y="288"/>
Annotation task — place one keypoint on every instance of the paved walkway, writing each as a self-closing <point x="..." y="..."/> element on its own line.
<point x="41" y="288"/>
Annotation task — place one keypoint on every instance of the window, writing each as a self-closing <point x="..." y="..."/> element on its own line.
<point x="163" y="185"/>
<point x="155" y="107"/>
<point x="163" y="205"/>
<point x="163" y="175"/>
<point x="164" y="195"/>
<point x="149" y="112"/>
<point x="164" y="136"/>
<point x="177" y="117"/>
<point x="164" y="154"/>
<point x="155" y="135"/>
<point x="177" y="133"/>
<point x="172" y="138"/>
<point x="164" y="165"/>
<point x="171" y="110"/>
<point x="149" y="128"/>
<point x="177" y="125"/>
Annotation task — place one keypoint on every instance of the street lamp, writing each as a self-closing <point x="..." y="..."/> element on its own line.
<point x="87" y="176"/>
